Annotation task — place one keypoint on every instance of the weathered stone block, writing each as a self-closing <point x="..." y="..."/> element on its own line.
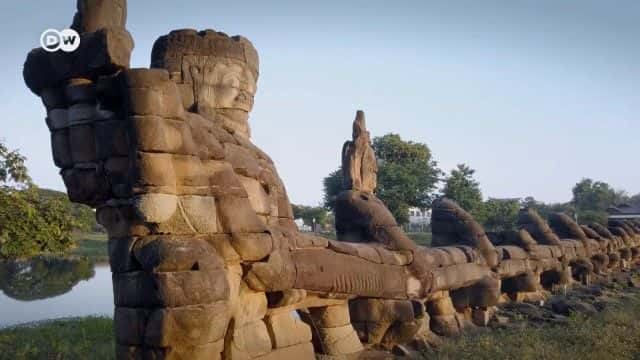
<point x="222" y="244"/>
<point x="61" y="148"/>
<point x="156" y="134"/>
<point x="117" y="170"/>
<point x="242" y="160"/>
<point x="130" y="324"/>
<point x="57" y="119"/>
<point x="165" y="253"/>
<point x="260" y="200"/>
<point x="173" y="289"/>
<point x="151" y="169"/>
<point x="121" y="221"/>
<point x="252" y="339"/>
<point x="295" y="352"/>
<point x="252" y="246"/>
<point x="237" y="216"/>
<point x="144" y="78"/>
<point x="121" y="257"/>
<point x="286" y="331"/>
<point x="86" y="185"/>
<point x="251" y="305"/>
<point x="188" y="325"/>
<point x="82" y="144"/>
<point x="111" y="139"/>
<point x="83" y="113"/>
<point x="331" y="316"/>
<point x="162" y="100"/>
<point x="156" y="208"/>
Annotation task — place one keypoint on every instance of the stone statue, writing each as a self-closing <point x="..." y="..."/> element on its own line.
<point x="207" y="262"/>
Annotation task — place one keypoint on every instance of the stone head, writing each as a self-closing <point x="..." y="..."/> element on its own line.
<point x="216" y="74"/>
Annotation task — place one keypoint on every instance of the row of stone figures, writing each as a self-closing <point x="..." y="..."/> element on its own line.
<point x="207" y="262"/>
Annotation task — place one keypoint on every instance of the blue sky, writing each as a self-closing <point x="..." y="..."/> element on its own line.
<point x="533" y="94"/>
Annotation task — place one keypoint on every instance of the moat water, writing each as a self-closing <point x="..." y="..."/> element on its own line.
<point x="52" y="288"/>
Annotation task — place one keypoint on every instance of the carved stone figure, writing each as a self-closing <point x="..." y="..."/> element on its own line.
<point x="207" y="262"/>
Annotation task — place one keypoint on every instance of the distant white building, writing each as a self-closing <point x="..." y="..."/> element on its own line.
<point x="419" y="219"/>
<point x="301" y="226"/>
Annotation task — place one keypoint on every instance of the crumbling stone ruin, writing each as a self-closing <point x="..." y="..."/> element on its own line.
<point x="207" y="262"/>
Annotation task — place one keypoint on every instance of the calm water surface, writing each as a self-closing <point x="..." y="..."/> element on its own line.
<point x="52" y="288"/>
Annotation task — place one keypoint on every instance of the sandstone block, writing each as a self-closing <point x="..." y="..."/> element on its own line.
<point x="121" y="257"/>
<point x="86" y="185"/>
<point x="210" y="351"/>
<point x="57" y="119"/>
<point x="80" y="91"/>
<point x="331" y="316"/>
<point x="111" y="139"/>
<point x="242" y="160"/>
<point x="163" y="100"/>
<point x="222" y="244"/>
<point x="296" y="352"/>
<point x="156" y="208"/>
<point x="166" y="253"/>
<point x="120" y="221"/>
<point x="189" y="171"/>
<point x="237" y="216"/>
<point x="83" y="113"/>
<point x="252" y="246"/>
<point x="286" y="331"/>
<point x="151" y="169"/>
<point x="130" y="324"/>
<point x="277" y="274"/>
<point x="117" y="170"/>
<point x="53" y="98"/>
<point x="144" y="78"/>
<point x="251" y="305"/>
<point x="156" y="134"/>
<point x="61" y="148"/>
<point x="340" y="340"/>
<point x="258" y="197"/>
<point x="82" y="144"/>
<point x="201" y="212"/>
<point x="252" y="339"/>
<point x="173" y="289"/>
<point x="188" y="325"/>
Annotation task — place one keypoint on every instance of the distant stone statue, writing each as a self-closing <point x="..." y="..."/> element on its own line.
<point x="359" y="166"/>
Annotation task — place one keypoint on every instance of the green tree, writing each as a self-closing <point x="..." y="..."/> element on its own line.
<point x="29" y="223"/>
<point x="309" y="214"/>
<point x="545" y="209"/>
<point x="592" y="198"/>
<point x="407" y="176"/>
<point x="12" y="167"/>
<point x="332" y="187"/>
<point x="499" y="214"/>
<point x="461" y="187"/>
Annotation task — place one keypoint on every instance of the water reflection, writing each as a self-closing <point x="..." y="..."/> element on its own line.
<point x="42" y="278"/>
<point x="48" y="288"/>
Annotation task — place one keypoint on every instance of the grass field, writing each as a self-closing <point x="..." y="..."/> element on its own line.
<point x="82" y="338"/>
<point x="92" y="246"/>
<point x="612" y="334"/>
<point x="421" y="238"/>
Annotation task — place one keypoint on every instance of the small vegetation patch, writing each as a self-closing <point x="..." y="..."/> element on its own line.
<point x="82" y="338"/>
<point x="612" y="334"/>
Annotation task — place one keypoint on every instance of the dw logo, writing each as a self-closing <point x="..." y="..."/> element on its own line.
<point x="66" y="40"/>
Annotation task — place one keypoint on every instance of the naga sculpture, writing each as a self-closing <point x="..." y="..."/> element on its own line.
<point x="207" y="262"/>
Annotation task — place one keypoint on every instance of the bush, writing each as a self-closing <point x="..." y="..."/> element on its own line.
<point x="31" y="224"/>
